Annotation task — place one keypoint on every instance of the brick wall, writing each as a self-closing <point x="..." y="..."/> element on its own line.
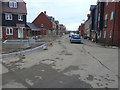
<point x="110" y="24"/>
<point x="42" y="19"/>
<point x="82" y="29"/>
<point x="15" y="34"/>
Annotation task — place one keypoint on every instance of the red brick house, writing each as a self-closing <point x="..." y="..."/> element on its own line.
<point x="81" y="29"/>
<point x="45" y="22"/>
<point x="13" y="19"/>
<point x="57" y="27"/>
<point x="119" y="24"/>
<point x="111" y="30"/>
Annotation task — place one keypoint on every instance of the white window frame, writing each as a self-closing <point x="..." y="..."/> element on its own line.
<point x="20" y="17"/>
<point x="110" y="33"/>
<point x="42" y="25"/>
<point x="111" y="17"/>
<point x="8" y="16"/>
<point x="9" y="28"/>
<point x="13" y="4"/>
<point x="0" y="32"/>
<point x="106" y="16"/>
<point x="105" y="33"/>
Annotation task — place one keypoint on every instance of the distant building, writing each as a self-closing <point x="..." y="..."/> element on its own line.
<point x="57" y="27"/>
<point x="13" y="19"/>
<point x="62" y="29"/>
<point x="81" y="29"/>
<point x="87" y="27"/>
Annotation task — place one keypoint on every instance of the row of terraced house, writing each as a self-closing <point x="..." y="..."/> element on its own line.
<point x="103" y="23"/>
<point x="14" y="24"/>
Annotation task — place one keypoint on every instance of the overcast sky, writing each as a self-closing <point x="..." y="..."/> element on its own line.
<point x="71" y="13"/>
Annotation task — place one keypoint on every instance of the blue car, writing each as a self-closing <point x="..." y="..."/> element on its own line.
<point x="75" y="38"/>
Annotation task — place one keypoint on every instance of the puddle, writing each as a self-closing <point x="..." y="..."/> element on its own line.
<point x="90" y="77"/>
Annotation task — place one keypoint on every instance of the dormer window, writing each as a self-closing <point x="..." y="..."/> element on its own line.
<point x="13" y="4"/>
<point x="20" y="17"/>
<point x="8" y="16"/>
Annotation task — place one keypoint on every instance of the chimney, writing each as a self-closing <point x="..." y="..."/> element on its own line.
<point x="44" y="12"/>
<point x="88" y="15"/>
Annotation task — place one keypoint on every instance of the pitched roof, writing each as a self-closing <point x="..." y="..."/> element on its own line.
<point x="50" y="18"/>
<point x="21" y="7"/>
<point x="33" y="27"/>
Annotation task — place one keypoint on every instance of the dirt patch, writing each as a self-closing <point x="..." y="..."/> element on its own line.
<point x="64" y="52"/>
<point x="68" y="54"/>
<point x="70" y="68"/>
<point x="10" y="48"/>
<point x="59" y="42"/>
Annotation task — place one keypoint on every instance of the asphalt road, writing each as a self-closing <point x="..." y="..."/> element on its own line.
<point x="64" y="65"/>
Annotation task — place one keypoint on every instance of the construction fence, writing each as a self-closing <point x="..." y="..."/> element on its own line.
<point x="34" y="39"/>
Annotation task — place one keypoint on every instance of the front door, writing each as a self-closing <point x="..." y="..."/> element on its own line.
<point x="20" y="33"/>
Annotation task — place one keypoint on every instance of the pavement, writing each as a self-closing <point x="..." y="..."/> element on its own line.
<point x="63" y="65"/>
<point x="94" y="44"/>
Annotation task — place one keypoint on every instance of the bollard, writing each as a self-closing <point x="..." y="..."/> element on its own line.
<point x="50" y="43"/>
<point x="92" y="40"/>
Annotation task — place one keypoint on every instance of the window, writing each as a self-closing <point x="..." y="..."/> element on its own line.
<point x="9" y="31"/>
<point x="42" y="25"/>
<point x="112" y="0"/>
<point x="106" y="18"/>
<point x="110" y="33"/>
<point x="0" y="32"/>
<point x="99" y="17"/>
<point x="106" y="2"/>
<point x="100" y="34"/>
<point x="111" y="17"/>
<point x="8" y="16"/>
<point x="104" y="34"/>
<point x="20" y="17"/>
<point x="12" y="4"/>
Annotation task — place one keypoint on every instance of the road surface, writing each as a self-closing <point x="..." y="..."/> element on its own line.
<point x="63" y="65"/>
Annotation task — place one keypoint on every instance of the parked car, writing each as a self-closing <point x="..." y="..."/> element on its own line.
<point x="75" y="38"/>
<point x="71" y="33"/>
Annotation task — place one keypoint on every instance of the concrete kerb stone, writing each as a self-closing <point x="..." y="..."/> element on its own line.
<point x="22" y="52"/>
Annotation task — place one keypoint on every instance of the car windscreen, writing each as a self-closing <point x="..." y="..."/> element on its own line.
<point x="76" y="36"/>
